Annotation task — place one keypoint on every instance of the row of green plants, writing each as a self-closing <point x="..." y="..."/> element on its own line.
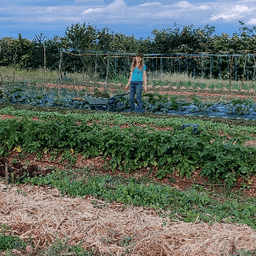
<point x="194" y="204"/>
<point x="194" y="85"/>
<point x="152" y="102"/>
<point x="217" y="157"/>
<point x="184" y="205"/>
<point x="244" y="130"/>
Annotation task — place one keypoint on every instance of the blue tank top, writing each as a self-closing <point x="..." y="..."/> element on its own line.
<point x="137" y="74"/>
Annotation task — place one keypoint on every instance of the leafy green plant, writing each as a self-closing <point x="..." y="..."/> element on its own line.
<point x="134" y="147"/>
<point x="195" y="203"/>
<point x="8" y="241"/>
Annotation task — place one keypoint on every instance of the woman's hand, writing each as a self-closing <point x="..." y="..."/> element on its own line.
<point x="145" y="89"/>
<point x="126" y="87"/>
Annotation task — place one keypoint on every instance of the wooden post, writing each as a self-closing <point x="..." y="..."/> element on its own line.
<point x="60" y="70"/>
<point x="244" y="71"/>
<point x="6" y="172"/>
<point x="107" y="72"/>
<point x="254" y="69"/>
<point x="230" y="72"/>
<point x="96" y="59"/>
<point x="107" y="68"/>
<point x="44" y="66"/>
<point x="14" y="69"/>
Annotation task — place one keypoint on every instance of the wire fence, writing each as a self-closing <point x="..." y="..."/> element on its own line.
<point x="72" y="65"/>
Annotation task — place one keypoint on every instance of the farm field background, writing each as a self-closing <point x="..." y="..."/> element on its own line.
<point x="98" y="177"/>
<point x="83" y="178"/>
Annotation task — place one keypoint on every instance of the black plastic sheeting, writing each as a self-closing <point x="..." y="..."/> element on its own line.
<point x="219" y="110"/>
<point x="152" y="103"/>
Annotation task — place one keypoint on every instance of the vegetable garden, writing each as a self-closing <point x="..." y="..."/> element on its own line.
<point x="80" y="151"/>
<point x="187" y="164"/>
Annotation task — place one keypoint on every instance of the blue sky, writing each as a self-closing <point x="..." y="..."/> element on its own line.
<point x="137" y="17"/>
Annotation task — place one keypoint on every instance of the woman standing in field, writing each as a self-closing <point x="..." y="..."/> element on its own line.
<point x="137" y="75"/>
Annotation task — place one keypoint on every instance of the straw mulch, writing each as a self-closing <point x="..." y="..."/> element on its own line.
<point x="43" y="214"/>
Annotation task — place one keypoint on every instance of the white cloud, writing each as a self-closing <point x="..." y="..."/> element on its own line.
<point x="119" y="12"/>
<point x="84" y="1"/>
<point x="150" y="4"/>
<point x="252" y="22"/>
<point x="204" y="7"/>
<point x="183" y="4"/>
<point x="94" y="10"/>
<point x="237" y="12"/>
<point x="117" y="7"/>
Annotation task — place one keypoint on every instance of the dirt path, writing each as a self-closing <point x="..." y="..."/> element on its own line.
<point x="41" y="212"/>
<point x="204" y="93"/>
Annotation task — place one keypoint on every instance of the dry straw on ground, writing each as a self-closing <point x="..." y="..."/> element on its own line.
<point x="43" y="214"/>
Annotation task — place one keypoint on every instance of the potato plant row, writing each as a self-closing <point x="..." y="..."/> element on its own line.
<point x="244" y="130"/>
<point x="217" y="157"/>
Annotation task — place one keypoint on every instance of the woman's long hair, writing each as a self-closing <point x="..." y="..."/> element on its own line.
<point x="134" y="62"/>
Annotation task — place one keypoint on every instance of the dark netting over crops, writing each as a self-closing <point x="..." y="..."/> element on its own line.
<point x="119" y="102"/>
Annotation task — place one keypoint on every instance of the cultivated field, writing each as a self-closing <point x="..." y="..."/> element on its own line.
<point x="76" y="181"/>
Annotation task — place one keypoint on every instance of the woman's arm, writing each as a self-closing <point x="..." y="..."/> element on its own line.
<point x="145" y="81"/>
<point x="127" y="86"/>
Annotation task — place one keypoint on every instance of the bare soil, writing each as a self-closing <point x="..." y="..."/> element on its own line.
<point x="100" y="164"/>
<point x="42" y="213"/>
<point x="183" y="91"/>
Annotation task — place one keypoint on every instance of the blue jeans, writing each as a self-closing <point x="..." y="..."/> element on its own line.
<point x="136" y="88"/>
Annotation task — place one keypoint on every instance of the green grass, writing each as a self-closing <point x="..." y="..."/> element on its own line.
<point x="242" y="131"/>
<point x="194" y="203"/>
<point x="206" y="205"/>
<point x="154" y="78"/>
<point x="198" y="202"/>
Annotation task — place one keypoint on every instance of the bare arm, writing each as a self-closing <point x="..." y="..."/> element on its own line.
<point x="127" y="86"/>
<point x="145" y="81"/>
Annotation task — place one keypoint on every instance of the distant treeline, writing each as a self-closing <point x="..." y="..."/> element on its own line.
<point x="41" y="51"/>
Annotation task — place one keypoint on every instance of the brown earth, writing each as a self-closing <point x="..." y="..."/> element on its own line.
<point x="100" y="165"/>
<point x="183" y="91"/>
<point x="42" y="213"/>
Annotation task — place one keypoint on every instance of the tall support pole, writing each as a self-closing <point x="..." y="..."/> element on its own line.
<point x="211" y="67"/>
<point x="202" y="64"/>
<point x="44" y="66"/>
<point x="236" y="63"/>
<point x="219" y="64"/>
<point x="14" y="68"/>
<point x="230" y="72"/>
<point x="248" y="73"/>
<point x="254" y="70"/>
<point x="187" y="65"/>
<point x="107" y="72"/>
<point x="245" y="59"/>
<point x="202" y="71"/>
<point x="96" y="62"/>
<point x="161" y="67"/>
<point x="60" y="63"/>
<point x="172" y="71"/>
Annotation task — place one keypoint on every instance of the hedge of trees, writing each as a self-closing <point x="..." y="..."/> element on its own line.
<point x="27" y="54"/>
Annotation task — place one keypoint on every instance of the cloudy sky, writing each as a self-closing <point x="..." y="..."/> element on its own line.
<point x="137" y="17"/>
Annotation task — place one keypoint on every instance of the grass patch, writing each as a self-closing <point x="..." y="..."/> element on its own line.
<point x="194" y="203"/>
